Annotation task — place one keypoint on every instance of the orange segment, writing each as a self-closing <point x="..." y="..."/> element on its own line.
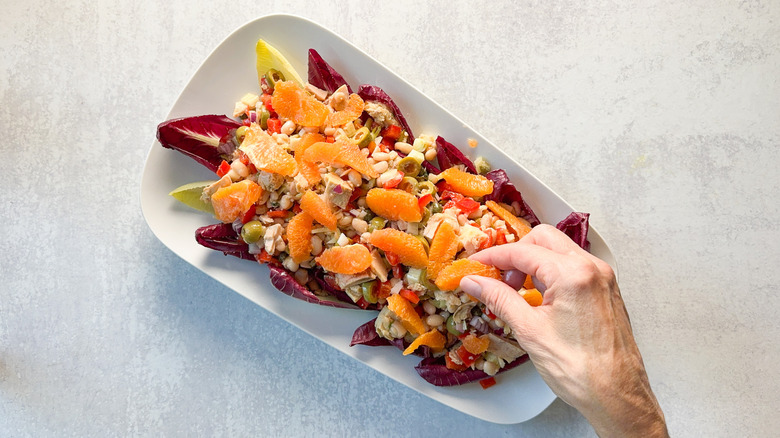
<point x="406" y="313"/>
<point x="432" y="338"/>
<point x="292" y="102"/>
<point x="519" y="226"/>
<point x="349" y="259"/>
<point x="234" y="200"/>
<point x="467" y="184"/>
<point x="409" y="249"/>
<point x="313" y="204"/>
<point x="266" y="154"/>
<point x="444" y="246"/>
<point x="340" y="152"/>
<point x="528" y="283"/>
<point x="476" y="344"/>
<point x="449" y="277"/>
<point x="532" y="296"/>
<point x="352" y="111"/>
<point x="299" y="236"/>
<point x="394" y="204"/>
<point x="308" y="169"/>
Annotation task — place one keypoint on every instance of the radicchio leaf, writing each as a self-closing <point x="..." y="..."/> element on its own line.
<point x="366" y="335"/>
<point x="576" y="226"/>
<point x="283" y="280"/>
<point x="448" y="156"/>
<point x="200" y="137"/>
<point x="328" y="284"/>
<point x="506" y="192"/>
<point x="323" y="76"/>
<point x="372" y="93"/>
<point x="435" y="372"/>
<point x="222" y="237"/>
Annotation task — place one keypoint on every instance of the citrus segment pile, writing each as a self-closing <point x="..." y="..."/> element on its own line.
<point x="444" y="247"/>
<point x="299" y="236"/>
<point x="449" y="277"/>
<point x="232" y="201"/>
<point x="519" y="226"/>
<point x="349" y="259"/>
<point x="292" y="102"/>
<point x="467" y="184"/>
<point x="407" y="248"/>
<point x="394" y="204"/>
<point x="266" y="154"/>
<point x="308" y="169"/>
<point x="319" y="209"/>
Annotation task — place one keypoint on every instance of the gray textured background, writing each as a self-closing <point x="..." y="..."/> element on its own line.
<point x="658" y="117"/>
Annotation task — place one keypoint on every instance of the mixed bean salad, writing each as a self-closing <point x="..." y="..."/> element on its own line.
<point x="332" y="191"/>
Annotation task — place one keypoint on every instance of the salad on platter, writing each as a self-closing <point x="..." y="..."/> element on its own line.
<point x="330" y="189"/>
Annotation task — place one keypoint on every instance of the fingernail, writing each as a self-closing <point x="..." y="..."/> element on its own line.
<point x="471" y="287"/>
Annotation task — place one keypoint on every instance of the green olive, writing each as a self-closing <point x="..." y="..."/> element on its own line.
<point x="426" y="215"/>
<point x="252" y="231"/>
<point x="273" y="76"/>
<point x="264" y="116"/>
<point x="482" y="165"/>
<point x="424" y="188"/>
<point x="240" y="132"/>
<point x="435" y="207"/>
<point x="376" y="223"/>
<point x="369" y="291"/>
<point x="362" y="137"/>
<point x="409" y="166"/>
<point x="407" y="184"/>
<point x="451" y="326"/>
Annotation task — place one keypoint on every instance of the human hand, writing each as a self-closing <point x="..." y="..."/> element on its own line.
<point x="580" y="338"/>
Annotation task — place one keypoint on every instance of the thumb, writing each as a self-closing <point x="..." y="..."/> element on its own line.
<point x="501" y="299"/>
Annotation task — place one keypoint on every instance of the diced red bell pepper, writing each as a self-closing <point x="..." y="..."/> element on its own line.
<point x="442" y="187"/>
<point x="388" y="142"/>
<point x="393" y="182"/>
<point x="424" y="200"/>
<point x="392" y="258"/>
<point x="363" y="303"/>
<point x="452" y="365"/>
<point x="223" y="169"/>
<point x="500" y="237"/>
<point x="267" y="99"/>
<point x="384" y="290"/>
<point x="487" y="383"/>
<point x="398" y="271"/>
<point x="490" y="314"/>
<point x="264" y="257"/>
<point x="410" y="296"/>
<point x="274" y="126"/>
<point x="392" y="132"/>
<point x="330" y="139"/>
<point x="278" y="213"/>
<point x="249" y="214"/>
<point x="467" y="205"/>
<point x="467" y="357"/>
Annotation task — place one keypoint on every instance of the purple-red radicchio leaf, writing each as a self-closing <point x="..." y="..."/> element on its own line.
<point x="222" y="237"/>
<point x="366" y="335"/>
<point x="435" y="372"/>
<point x="323" y="76"/>
<point x="506" y="192"/>
<point x="448" y="156"/>
<point x="576" y="226"/>
<point x="206" y="139"/>
<point x="283" y="280"/>
<point x="372" y="93"/>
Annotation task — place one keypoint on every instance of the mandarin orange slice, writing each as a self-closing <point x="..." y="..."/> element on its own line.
<point x="299" y="236"/>
<point x="313" y="204"/>
<point x="519" y="226"/>
<point x="234" y="200"/>
<point x="467" y="184"/>
<point x="349" y="259"/>
<point x="476" y="344"/>
<point x="265" y="153"/>
<point x="449" y="277"/>
<point x="532" y="296"/>
<point x="408" y="248"/>
<point x="444" y="246"/>
<point x="308" y="169"/>
<point x="352" y="111"/>
<point x="432" y="338"/>
<point x="292" y="102"/>
<point x="340" y="152"/>
<point x="405" y="312"/>
<point x="394" y="204"/>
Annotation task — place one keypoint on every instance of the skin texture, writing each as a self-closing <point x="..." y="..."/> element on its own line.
<point x="580" y="338"/>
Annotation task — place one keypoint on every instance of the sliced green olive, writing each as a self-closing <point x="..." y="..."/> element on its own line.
<point x="482" y="165"/>
<point x="409" y="166"/>
<point x="451" y="326"/>
<point x="369" y="291"/>
<point x="408" y="184"/>
<point x="273" y="76"/>
<point x="376" y="223"/>
<point x="240" y="132"/>
<point x="264" y="116"/>
<point x="362" y="137"/>
<point x="424" y="188"/>
<point x="252" y="231"/>
<point x="424" y="242"/>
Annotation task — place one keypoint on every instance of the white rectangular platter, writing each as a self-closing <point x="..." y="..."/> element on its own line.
<point x="226" y="75"/>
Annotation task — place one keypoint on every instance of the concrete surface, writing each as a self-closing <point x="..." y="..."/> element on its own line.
<point x="660" y="118"/>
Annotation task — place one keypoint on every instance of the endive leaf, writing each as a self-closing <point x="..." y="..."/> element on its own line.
<point x="268" y="57"/>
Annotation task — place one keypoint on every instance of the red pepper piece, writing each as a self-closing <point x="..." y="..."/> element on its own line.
<point x="467" y="205"/>
<point x="452" y="365"/>
<point x="467" y="357"/>
<point x="223" y="169"/>
<point x="249" y="214"/>
<point x="487" y="383"/>
<point x="392" y="132"/>
<point x="409" y="295"/>
<point x="274" y="126"/>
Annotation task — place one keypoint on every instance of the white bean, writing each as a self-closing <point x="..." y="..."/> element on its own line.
<point x="316" y="245"/>
<point x="345" y="220"/>
<point x="490" y="368"/>
<point x="381" y="166"/>
<point x="434" y="320"/>
<point x="355" y="178"/>
<point x="429" y="308"/>
<point x="397" y="330"/>
<point x="430" y="154"/>
<point x="240" y="168"/>
<point x="302" y="276"/>
<point x="288" y="128"/>
<point x="403" y="147"/>
<point x="290" y="264"/>
<point x="359" y="225"/>
<point x="380" y="156"/>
